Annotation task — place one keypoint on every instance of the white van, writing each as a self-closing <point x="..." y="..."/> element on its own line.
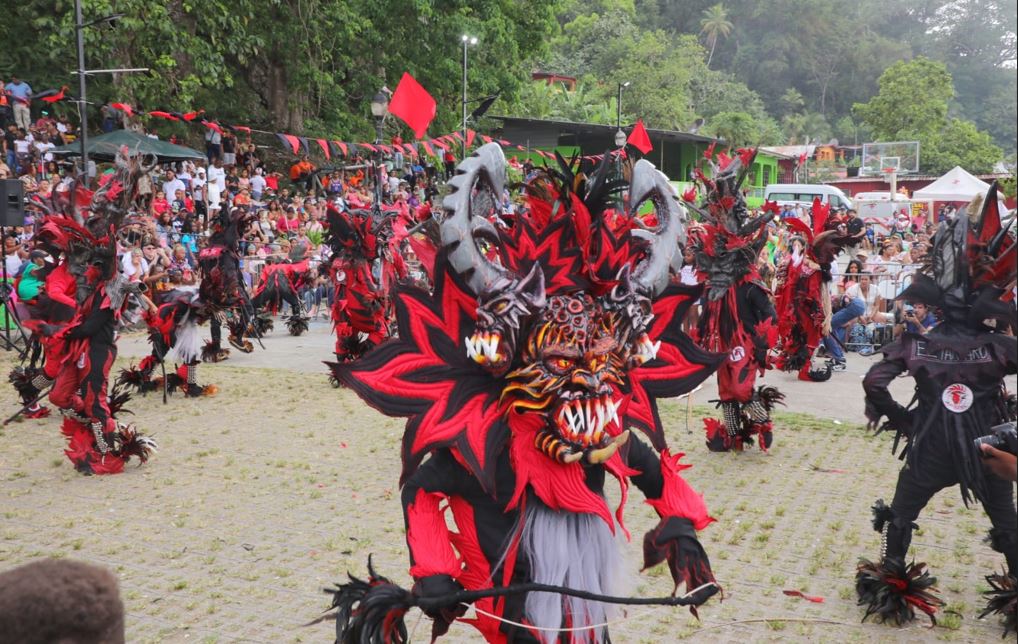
<point x="804" y="193"/>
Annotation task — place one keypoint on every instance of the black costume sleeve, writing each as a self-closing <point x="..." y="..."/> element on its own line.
<point x="92" y="325"/>
<point x="878" y="399"/>
<point x="642" y="458"/>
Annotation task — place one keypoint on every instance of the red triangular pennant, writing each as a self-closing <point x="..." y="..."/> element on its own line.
<point x="290" y="140"/>
<point x="342" y="146"/>
<point x="413" y="104"/>
<point x="123" y="107"/>
<point x="470" y="137"/>
<point x="638" y="138"/>
<point x="325" y="148"/>
<point x="427" y="148"/>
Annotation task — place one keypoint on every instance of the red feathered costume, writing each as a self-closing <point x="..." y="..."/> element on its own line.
<point x="78" y="316"/>
<point x="802" y="298"/>
<point x="737" y="317"/>
<point x="522" y="380"/>
<point x="366" y="264"/>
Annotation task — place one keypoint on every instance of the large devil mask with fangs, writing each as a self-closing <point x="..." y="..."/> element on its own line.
<point x="551" y="337"/>
<point x="573" y="365"/>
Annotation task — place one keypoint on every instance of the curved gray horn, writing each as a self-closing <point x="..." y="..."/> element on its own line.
<point x="669" y="238"/>
<point x="475" y="190"/>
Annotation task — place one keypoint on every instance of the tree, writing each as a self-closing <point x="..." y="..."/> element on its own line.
<point x="913" y="99"/>
<point x="959" y="143"/>
<point x="715" y="25"/>
<point x="738" y="129"/>
<point x="913" y="105"/>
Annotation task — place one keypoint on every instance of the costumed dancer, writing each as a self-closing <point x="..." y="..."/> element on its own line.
<point x="173" y="329"/>
<point x="222" y="287"/>
<point x="802" y="294"/>
<point x="959" y="368"/>
<point x="280" y="282"/>
<point x="737" y="317"/>
<point x="81" y="348"/>
<point x="521" y="380"/>
<point x="366" y="264"/>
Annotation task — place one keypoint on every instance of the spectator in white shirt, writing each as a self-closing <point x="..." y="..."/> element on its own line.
<point x="172" y="185"/>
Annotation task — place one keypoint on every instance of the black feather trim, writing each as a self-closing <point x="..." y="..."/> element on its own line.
<point x="892" y="590"/>
<point x="882" y="513"/>
<point x="370" y="612"/>
<point x="214" y="352"/>
<point x="770" y="397"/>
<point x="297" y="325"/>
<point x="1002" y="599"/>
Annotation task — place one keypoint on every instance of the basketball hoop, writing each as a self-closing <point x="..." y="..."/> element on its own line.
<point x="889" y="170"/>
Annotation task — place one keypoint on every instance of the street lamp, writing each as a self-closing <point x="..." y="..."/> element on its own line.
<point x="79" y="27"/>
<point x="619" y="135"/>
<point x="379" y="108"/>
<point x="467" y="40"/>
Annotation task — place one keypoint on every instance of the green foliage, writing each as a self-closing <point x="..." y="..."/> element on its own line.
<point x="913" y="98"/>
<point x="913" y="105"/>
<point x="738" y="129"/>
<point x="959" y="143"/>
<point x="715" y="26"/>
<point x="307" y="66"/>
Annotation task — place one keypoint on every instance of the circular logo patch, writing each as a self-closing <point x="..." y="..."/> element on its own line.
<point x="737" y="354"/>
<point x="957" y="397"/>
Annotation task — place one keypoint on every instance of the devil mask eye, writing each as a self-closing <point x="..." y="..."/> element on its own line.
<point x="559" y="364"/>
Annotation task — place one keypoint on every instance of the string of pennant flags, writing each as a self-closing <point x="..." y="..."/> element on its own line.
<point x="411" y="103"/>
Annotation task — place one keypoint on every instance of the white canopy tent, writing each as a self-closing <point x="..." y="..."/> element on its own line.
<point x="956" y="185"/>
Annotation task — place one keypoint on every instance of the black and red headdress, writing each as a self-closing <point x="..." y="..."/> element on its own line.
<point x="526" y="344"/>
<point x="973" y="259"/>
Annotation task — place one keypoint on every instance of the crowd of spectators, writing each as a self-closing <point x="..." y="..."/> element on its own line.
<point x="177" y="201"/>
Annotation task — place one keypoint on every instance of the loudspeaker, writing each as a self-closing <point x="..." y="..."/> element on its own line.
<point x="12" y="208"/>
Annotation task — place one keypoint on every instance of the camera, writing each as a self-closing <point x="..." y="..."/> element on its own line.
<point x="1003" y="437"/>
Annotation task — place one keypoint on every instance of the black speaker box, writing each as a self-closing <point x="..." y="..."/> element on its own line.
<point x="12" y="207"/>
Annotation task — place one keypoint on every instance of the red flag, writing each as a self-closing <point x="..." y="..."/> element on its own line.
<point x="439" y="144"/>
<point x="123" y="107"/>
<point x="413" y="104"/>
<point x="470" y="137"/>
<point x="802" y="158"/>
<point x="486" y="138"/>
<point x="342" y="146"/>
<point x="212" y="125"/>
<point x="638" y="138"/>
<point x="241" y="128"/>
<point x="325" y="149"/>
<point x="163" y="115"/>
<point x="368" y="146"/>
<point x="59" y="96"/>
<point x="190" y="116"/>
<point x="427" y="148"/>
<point x="290" y="140"/>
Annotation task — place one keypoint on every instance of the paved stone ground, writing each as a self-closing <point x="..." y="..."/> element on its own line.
<point x="272" y="490"/>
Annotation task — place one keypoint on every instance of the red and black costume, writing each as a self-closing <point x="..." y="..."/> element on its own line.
<point x="84" y="300"/>
<point x="222" y="287"/>
<point x="173" y="328"/>
<point x="366" y="264"/>
<point x="281" y="282"/>
<point x="802" y="295"/>
<point x="737" y="317"/>
<point x="959" y="368"/>
<point x="521" y="380"/>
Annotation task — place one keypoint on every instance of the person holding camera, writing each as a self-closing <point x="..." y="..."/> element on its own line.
<point x="960" y="419"/>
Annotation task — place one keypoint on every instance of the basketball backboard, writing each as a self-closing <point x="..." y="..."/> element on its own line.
<point x="881" y="158"/>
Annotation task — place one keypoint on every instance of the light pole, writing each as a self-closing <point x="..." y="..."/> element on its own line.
<point x="619" y="134"/>
<point x="379" y="108"/>
<point x="79" y="28"/>
<point x="467" y="40"/>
